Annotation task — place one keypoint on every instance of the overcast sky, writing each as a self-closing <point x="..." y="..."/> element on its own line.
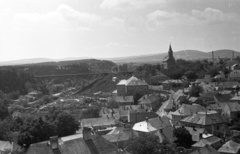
<point x="115" y="28"/>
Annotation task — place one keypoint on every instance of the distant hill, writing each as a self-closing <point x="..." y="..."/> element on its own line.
<point x="148" y="58"/>
<point x="65" y="67"/>
<point x="224" y="53"/>
<point x="38" y="60"/>
<point x="184" y="54"/>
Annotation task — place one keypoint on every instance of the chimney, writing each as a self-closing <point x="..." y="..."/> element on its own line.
<point x="87" y="133"/>
<point x="146" y="119"/>
<point x="54" y="142"/>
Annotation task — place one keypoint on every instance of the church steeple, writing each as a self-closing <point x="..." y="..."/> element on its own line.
<point x="170" y="52"/>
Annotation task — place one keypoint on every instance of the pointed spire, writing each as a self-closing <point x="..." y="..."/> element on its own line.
<point x="170" y="48"/>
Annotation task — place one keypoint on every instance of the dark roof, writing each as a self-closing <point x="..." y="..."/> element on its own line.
<point x="159" y="122"/>
<point x="137" y="117"/>
<point x="208" y="149"/>
<point x="229" y="84"/>
<point x="210" y="141"/>
<point x="230" y="147"/>
<point x="66" y="146"/>
<point x="120" y="134"/>
<point x="201" y="118"/>
<point x="97" y="122"/>
<point x="222" y="97"/>
<point x="102" y="145"/>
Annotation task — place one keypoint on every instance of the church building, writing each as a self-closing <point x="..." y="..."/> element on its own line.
<point x="169" y="59"/>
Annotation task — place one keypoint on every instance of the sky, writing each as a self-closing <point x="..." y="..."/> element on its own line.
<point x="115" y="28"/>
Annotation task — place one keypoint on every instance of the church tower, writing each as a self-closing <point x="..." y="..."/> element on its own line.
<point x="170" y="54"/>
<point x="169" y="60"/>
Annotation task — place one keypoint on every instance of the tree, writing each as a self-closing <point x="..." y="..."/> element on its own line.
<point x="195" y="90"/>
<point x="90" y="112"/>
<point x="3" y="109"/>
<point x="184" y="138"/>
<point x="136" y="97"/>
<point x="191" y="75"/>
<point x="35" y="130"/>
<point x="145" y="143"/>
<point x="66" y="124"/>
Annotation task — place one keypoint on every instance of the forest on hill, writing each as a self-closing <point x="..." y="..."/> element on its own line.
<point x="65" y="67"/>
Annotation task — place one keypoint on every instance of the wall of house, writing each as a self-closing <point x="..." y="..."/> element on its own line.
<point x="121" y="90"/>
<point x="131" y="90"/>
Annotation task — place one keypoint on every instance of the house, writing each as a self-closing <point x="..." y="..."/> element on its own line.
<point x="207" y="149"/>
<point x="149" y="99"/>
<point x="140" y="116"/>
<point x="234" y="75"/>
<point x="169" y="60"/>
<point x="86" y="143"/>
<point x="207" y="97"/>
<point x="152" y="124"/>
<point x="168" y="84"/>
<point x="166" y="107"/>
<point x="98" y="123"/>
<point x="7" y="147"/>
<point x="236" y="99"/>
<point x="120" y="136"/>
<point x="213" y="141"/>
<point x="231" y="110"/>
<point x="106" y="112"/>
<point x="132" y="86"/>
<point x="160" y="126"/>
<point x="230" y="147"/>
<point x="184" y="111"/>
<point x="122" y="100"/>
<point x="211" y="121"/>
<point x="229" y="85"/>
<point x="135" y="108"/>
<point x="222" y="98"/>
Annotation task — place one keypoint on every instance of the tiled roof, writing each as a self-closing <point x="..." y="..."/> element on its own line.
<point x="135" y="108"/>
<point x="230" y="84"/>
<point x="76" y="145"/>
<point x="137" y="117"/>
<point x="210" y="140"/>
<point x="235" y="98"/>
<point x="230" y="147"/>
<point x="135" y="81"/>
<point x="144" y="126"/>
<point x="149" y="99"/>
<point x="120" y="134"/>
<point x="201" y="118"/>
<point x="195" y="132"/>
<point x="159" y="122"/>
<point x="122" y="82"/>
<point x="96" y="122"/>
<point x="103" y="146"/>
<point x="167" y="105"/>
<point x="122" y="99"/>
<point x="205" y="150"/>
<point x="234" y="106"/>
<point x="222" y="97"/>
<point x="186" y="109"/>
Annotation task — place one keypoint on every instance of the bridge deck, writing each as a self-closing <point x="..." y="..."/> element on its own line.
<point x="78" y="74"/>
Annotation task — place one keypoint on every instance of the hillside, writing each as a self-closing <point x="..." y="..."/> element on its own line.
<point x="184" y="54"/>
<point x="65" y="67"/>
<point x="224" y="53"/>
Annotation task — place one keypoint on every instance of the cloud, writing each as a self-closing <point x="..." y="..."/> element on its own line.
<point x="64" y="17"/>
<point x="171" y="18"/>
<point x="214" y="16"/>
<point x="128" y="4"/>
